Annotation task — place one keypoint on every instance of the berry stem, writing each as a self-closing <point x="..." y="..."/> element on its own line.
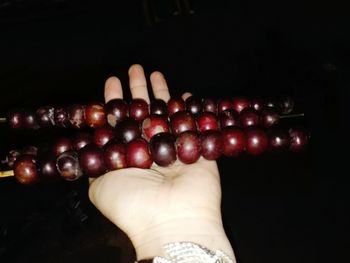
<point x="6" y="173"/>
<point x="296" y="115"/>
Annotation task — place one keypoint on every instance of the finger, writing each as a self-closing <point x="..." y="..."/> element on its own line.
<point x="113" y="89"/>
<point x="138" y="83"/>
<point x="186" y="95"/>
<point x="159" y="86"/>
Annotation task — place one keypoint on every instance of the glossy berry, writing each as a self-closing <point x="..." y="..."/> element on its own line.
<point x="30" y="149"/>
<point x="286" y="104"/>
<point x="299" y="139"/>
<point x="174" y="105"/>
<point x="257" y="104"/>
<point x="47" y="167"/>
<point x="162" y="149"/>
<point x="68" y="166"/>
<point x="278" y="139"/>
<point x="210" y="105"/>
<point x="257" y="141"/>
<point x="46" y="116"/>
<point x="233" y="141"/>
<point x="229" y="118"/>
<point x="25" y="170"/>
<point x="269" y="117"/>
<point x="61" y="145"/>
<point x="224" y="104"/>
<point x="103" y="135"/>
<point x="15" y="119"/>
<point x="182" y="121"/>
<point x="61" y="117"/>
<point x="153" y="125"/>
<point x="81" y="139"/>
<point x="76" y="115"/>
<point x="91" y="161"/>
<point x="249" y="117"/>
<point x="138" y="154"/>
<point x="240" y="103"/>
<point x="193" y="105"/>
<point x="207" y="121"/>
<point x="30" y="121"/>
<point x="273" y="102"/>
<point x="114" y="154"/>
<point x="211" y="144"/>
<point x="116" y="111"/>
<point x="138" y="110"/>
<point x="12" y="156"/>
<point x="188" y="147"/>
<point x="95" y="115"/>
<point x="127" y="130"/>
<point x="158" y="107"/>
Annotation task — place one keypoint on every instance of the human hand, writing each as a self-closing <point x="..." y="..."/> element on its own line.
<point x="162" y="204"/>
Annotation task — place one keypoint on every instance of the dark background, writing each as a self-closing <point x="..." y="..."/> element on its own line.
<point x="276" y="208"/>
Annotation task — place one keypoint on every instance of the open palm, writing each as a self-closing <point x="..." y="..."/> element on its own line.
<point x="146" y="202"/>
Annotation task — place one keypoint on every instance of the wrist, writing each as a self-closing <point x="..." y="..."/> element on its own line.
<point x="208" y="233"/>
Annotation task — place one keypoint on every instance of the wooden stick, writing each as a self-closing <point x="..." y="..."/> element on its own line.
<point x="296" y="115"/>
<point x="2" y="120"/>
<point x="6" y="173"/>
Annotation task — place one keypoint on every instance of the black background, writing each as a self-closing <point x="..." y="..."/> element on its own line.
<point x="276" y="208"/>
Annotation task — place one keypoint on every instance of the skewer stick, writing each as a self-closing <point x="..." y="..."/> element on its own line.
<point x="2" y="120"/>
<point x="6" y="173"/>
<point x="296" y="115"/>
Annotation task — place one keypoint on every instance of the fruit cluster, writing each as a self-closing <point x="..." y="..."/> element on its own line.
<point x="139" y="135"/>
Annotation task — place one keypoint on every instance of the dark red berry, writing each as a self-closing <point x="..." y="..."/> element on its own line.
<point x="61" y="117"/>
<point x="240" y="103"/>
<point x="25" y="169"/>
<point x="103" y="135"/>
<point x="61" y="145"/>
<point x="174" y="105"/>
<point x="193" y="105"/>
<point x="154" y="124"/>
<point x="81" y="139"/>
<point x="299" y="139"/>
<point x="278" y="139"/>
<point x="45" y="116"/>
<point x="211" y="144"/>
<point x="76" y="115"/>
<point x="224" y="104"/>
<point x="158" y="107"/>
<point x="182" y="121"/>
<point x="138" y="154"/>
<point x="233" y="141"/>
<point x="188" y="147"/>
<point x="91" y="161"/>
<point x="30" y="149"/>
<point x="30" y="121"/>
<point x="257" y="104"/>
<point x="68" y="166"/>
<point x="116" y="111"/>
<point x="12" y="156"/>
<point x="95" y="115"/>
<point x="162" y="149"/>
<point x="127" y="130"/>
<point x="269" y="117"/>
<point x="138" y="110"/>
<point x="15" y="119"/>
<point x="210" y="105"/>
<point x="286" y="104"/>
<point x="47" y="167"/>
<point x="257" y="141"/>
<point x="229" y="118"/>
<point x="114" y="154"/>
<point x="249" y="117"/>
<point x="207" y="121"/>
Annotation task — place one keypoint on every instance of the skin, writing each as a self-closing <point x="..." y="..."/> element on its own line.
<point x="162" y="204"/>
